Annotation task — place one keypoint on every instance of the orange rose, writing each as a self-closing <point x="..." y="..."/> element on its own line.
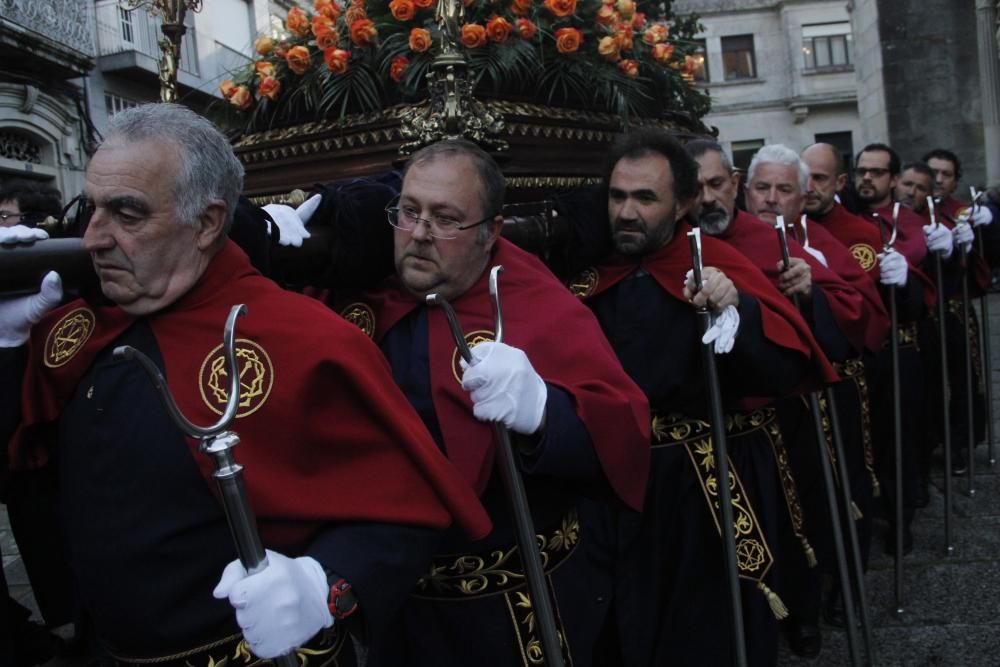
<point x="264" y="45"/>
<point x="297" y="22"/>
<point x="629" y="67"/>
<point x="264" y="68"/>
<point x="269" y="87"/>
<point x="689" y="67"/>
<point x="355" y="12"/>
<point x="607" y="15"/>
<point x="526" y="29"/>
<point x="227" y="88"/>
<point x="624" y="37"/>
<point x="473" y="35"/>
<point x="521" y="7"/>
<point x="420" y="40"/>
<point x="241" y="98"/>
<point x="398" y="67"/>
<point x="655" y="34"/>
<point x="298" y="59"/>
<point x="326" y="38"/>
<point x="363" y="32"/>
<point x="662" y="53"/>
<point x="561" y="8"/>
<point x="626" y="8"/>
<point x="423" y="4"/>
<point x="608" y="48"/>
<point x="402" y="10"/>
<point x="336" y="60"/>
<point x="639" y="21"/>
<point x="568" y="40"/>
<point x="498" y="29"/>
<point x="321" y="23"/>
<point x="281" y="50"/>
<point x="327" y="8"/>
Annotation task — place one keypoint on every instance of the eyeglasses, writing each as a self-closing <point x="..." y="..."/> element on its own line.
<point x="876" y="172"/>
<point x="8" y="214"/>
<point x="406" y="219"/>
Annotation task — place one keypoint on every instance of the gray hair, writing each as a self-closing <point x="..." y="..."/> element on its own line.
<point x="779" y="154"/>
<point x="208" y="169"/>
<point x="698" y="147"/>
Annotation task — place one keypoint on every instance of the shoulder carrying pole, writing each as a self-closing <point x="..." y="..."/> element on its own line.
<point x="721" y="454"/>
<point x="945" y="389"/>
<point x="523" y="524"/>
<point x="218" y="443"/>
<point x="846" y="585"/>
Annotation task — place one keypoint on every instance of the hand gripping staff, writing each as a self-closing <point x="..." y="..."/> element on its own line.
<point x="218" y="443"/>
<point x="897" y="416"/>
<point x="524" y="527"/>
<point x="846" y="585"/>
<point x="984" y="325"/>
<point x="721" y="454"/>
<point x="946" y="393"/>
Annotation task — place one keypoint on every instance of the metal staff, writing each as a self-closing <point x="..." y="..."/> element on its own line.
<point x="524" y="527"/>
<point x="897" y="416"/>
<point x="721" y="459"/>
<point x="846" y="586"/>
<point x="218" y="443"/>
<point x="984" y="302"/>
<point x="945" y="407"/>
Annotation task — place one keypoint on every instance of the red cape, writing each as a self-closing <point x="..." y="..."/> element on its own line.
<point x="782" y="324"/>
<point x="565" y="345"/>
<point x="325" y="434"/>
<point x="909" y="232"/>
<point x="845" y="265"/>
<point x="758" y="241"/>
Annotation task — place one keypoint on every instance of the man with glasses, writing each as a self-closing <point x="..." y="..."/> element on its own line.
<point x="578" y="424"/>
<point x="28" y="203"/>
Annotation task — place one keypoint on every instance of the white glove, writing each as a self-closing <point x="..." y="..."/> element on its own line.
<point x="21" y="234"/>
<point x="725" y="326"/>
<point x="893" y="269"/>
<point x="939" y="239"/>
<point x="19" y="314"/>
<point x="820" y="257"/>
<point x="964" y="235"/>
<point x="281" y="607"/>
<point x="981" y="215"/>
<point x="505" y="387"/>
<point x="292" y="222"/>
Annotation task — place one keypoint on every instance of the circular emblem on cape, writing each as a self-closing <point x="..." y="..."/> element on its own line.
<point x="865" y="255"/>
<point x="749" y="555"/>
<point x="584" y="284"/>
<point x="473" y="339"/>
<point x="362" y="316"/>
<point x="256" y="378"/>
<point x="68" y="336"/>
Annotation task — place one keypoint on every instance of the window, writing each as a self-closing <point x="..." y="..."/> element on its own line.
<point x="701" y="69"/>
<point x="743" y="152"/>
<point x="842" y="142"/>
<point x="125" y="16"/>
<point x="826" y="45"/>
<point x="737" y="58"/>
<point x="114" y="104"/>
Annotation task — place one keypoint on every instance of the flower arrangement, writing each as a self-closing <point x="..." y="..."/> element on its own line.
<point x="630" y="57"/>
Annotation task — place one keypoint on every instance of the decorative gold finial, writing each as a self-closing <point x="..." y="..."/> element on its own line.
<point x="172" y="13"/>
<point x="451" y="111"/>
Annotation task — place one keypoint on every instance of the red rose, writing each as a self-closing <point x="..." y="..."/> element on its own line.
<point x="420" y="40"/>
<point x="473" y="35"/>
<point x="336" y="60"/>
<point x="269" y="87"/>
<point x="398" y="67"/>
<point x="298" y="59"/>
<point x="568" y="40"/>
<point x="326" y="38"/>
<point x="241" y="98"/>
<point x="629" y="67"/>
<point x="498" y="29"/>
<point x="402" y="10"/>
<point x="227" y="88"/>
<point x="526" y="28"/>
<point x="363" y="32"/>
<point x="561" y="8"/>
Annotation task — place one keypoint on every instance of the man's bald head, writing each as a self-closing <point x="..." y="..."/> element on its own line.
<point x="827" y="177"/>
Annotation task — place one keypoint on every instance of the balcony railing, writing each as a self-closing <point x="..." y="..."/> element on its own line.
<point x="121" y="31"/>
<point x="64" y="24"/>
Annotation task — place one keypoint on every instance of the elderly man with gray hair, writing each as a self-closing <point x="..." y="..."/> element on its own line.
<point x="348" y="486"/>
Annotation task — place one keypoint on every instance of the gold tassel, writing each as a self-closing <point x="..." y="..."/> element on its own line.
<point x="856" y="511"/>
<point x="778" y="607"/>
<point x="876" y="487"/>
<point x="810" y="552"/>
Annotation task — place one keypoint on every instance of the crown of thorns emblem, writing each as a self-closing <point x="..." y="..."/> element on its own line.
<point x="256" y="378"/>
